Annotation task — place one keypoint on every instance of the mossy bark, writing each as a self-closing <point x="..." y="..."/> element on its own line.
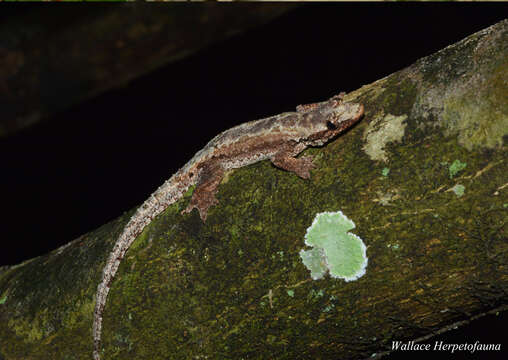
<point x="52" y="58"/>
<point x="423" y="176"/>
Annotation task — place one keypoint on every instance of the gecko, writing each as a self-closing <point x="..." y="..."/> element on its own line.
<point x="278" y="138"/>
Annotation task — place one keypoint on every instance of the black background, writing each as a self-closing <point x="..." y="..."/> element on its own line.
<point x="85" y="167"/>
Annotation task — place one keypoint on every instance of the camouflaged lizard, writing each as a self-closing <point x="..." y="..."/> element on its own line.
<point x="279" y="138"/>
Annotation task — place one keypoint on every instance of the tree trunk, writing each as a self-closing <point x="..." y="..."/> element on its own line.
<point x="423" y="176"/>
<point x="52" y="58"/>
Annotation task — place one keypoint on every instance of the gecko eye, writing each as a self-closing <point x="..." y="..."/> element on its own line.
<point x="330" y="125"/>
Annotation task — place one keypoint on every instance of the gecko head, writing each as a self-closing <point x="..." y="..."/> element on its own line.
<point x="330" y="119"/>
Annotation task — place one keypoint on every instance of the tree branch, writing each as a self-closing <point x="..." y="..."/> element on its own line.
<point x="423" y="177"/>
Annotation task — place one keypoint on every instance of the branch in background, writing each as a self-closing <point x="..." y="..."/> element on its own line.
<point x="53" y="58"/>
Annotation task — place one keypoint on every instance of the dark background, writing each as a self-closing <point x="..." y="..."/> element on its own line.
<point x="85" y="167"/>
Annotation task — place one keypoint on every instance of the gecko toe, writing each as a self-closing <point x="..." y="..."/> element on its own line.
<point x="201" y="204"/>
<point x="305" y="165"/>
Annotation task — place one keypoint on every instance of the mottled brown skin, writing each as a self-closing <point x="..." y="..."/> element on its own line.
<point x="260" y="140"/>
<point x="279" y="138"/>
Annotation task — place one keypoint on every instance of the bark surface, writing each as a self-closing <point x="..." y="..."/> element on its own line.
<point x="53" y="58"/>
<point x="423" y="176"/>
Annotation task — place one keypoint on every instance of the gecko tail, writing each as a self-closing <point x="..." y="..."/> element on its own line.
<point x="167" y="194"/>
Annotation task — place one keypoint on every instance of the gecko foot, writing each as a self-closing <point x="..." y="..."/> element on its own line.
<point x="206" y="188"/>
<point x="300" y="166"/>
<point x="304" y="166"/>
<point x="202" y="204"/>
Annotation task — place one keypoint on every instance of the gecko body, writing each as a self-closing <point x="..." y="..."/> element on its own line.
<point x="278" y="138"/>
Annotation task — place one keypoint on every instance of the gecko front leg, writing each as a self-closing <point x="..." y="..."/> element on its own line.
<point x="210" y="176"/>
<point x="285" y="159"/>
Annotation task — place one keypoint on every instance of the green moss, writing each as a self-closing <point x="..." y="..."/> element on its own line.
<point x="313" y="294"/>
<point x="467" y="97"/>
<point x="50" y="302"/>
<point x="479" y="120"/>
<point x="399" y="102"/>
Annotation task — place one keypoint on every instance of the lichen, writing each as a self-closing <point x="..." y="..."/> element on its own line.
<point x="393" y="246"/>
<point x="381" y="131"/>
<point x="315" y="261"/>
<point x="335" y="249"/>
<point x="458" y="189"/>
<point x="456" y="167"/>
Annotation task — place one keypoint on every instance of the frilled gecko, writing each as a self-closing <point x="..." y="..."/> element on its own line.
<point x="279" y="138"/>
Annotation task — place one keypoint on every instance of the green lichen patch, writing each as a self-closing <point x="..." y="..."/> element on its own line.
<point x="456" y="167"/>
<point x="393" y="246"/>
<point x="315" y="261"/>
<point x="334" y="249"/>
<point x="380" y="132"/>
<point x="458" y="190"/>
<point x="385" y="171"/>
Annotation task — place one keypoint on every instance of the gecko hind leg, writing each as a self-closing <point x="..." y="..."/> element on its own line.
<point x="286" y="160"/>
<point x="206" y="188"/>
